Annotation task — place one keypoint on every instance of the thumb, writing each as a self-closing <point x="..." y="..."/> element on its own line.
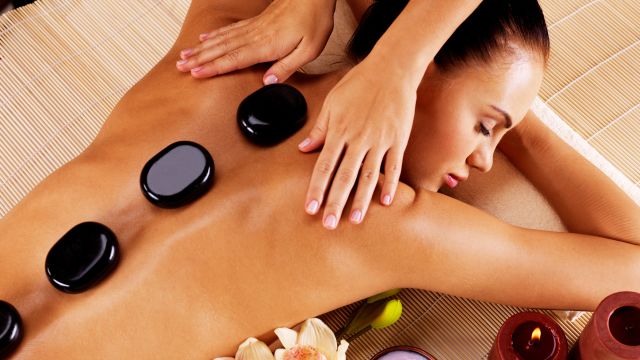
<point x="318" y="133"/>
<point x="285" y="67"/>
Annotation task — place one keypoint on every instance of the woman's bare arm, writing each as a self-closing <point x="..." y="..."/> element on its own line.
<point x="460" y="250"/>
<point x="416" y="36"/>
<point x="454" y="248"/>
<point x="586" y="200"/>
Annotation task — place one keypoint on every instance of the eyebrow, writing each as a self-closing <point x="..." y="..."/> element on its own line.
<point x="507" y="117"/>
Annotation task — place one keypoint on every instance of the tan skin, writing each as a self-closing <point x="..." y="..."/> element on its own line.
<point x="194" y="282"/>
<point x="366" y="118"/>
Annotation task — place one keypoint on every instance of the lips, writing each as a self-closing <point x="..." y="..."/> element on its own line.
<point x="453" y="180"/>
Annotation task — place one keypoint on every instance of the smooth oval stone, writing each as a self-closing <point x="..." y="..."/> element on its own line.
<point x="10" y="329"/>
<point x="177" y="175"/>
<point x="84" y="256"/>
<point x="272" y="114"/>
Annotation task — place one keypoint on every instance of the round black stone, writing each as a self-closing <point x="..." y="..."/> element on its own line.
<point x="10" y="329"/>
<point x="272" y="114"/>
<point x="85" y="255"/>
<point x="177" y="175"/>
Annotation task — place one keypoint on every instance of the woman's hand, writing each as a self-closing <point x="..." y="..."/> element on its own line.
<point x="365" y="118"/>
<point x="291" y="32"/>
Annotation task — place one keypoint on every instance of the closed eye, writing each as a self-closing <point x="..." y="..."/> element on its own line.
<point x="483" y="129"/>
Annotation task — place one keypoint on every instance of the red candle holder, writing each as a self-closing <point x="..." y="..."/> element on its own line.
<point x="403" y="352"/>
<point x="516" y="339"/>
<point x="613" y="333"/>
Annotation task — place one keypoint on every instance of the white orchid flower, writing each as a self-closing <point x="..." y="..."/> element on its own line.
<point x="315" y="341"/>
<point x="251" y="349"/>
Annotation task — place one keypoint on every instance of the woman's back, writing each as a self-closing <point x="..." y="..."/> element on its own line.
<point x="194" y="281"/>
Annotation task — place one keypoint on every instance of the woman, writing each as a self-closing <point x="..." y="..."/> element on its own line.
<point x="194" y="282"/>
<point x="369" y="113"/>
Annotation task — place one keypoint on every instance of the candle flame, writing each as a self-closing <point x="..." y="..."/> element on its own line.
<point x="535" y="335"/>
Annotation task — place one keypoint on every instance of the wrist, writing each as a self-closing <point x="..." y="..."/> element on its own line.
<point x="412" y="54"/>
<point x="388" y="65"/>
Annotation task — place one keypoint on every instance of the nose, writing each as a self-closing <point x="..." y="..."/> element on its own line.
<point x="481" y="158"/>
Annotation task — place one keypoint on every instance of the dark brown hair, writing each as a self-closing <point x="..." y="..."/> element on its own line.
<point x="488" y="31"/>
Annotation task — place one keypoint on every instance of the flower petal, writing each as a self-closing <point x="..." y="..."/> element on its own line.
<point x="224" y="358"/>
<point x="253" y="349"/>
<point x="317" y="334"/>
<point x="287" y="337"/>
<point x="280" y="354"/>
<point x="342" y="350"/>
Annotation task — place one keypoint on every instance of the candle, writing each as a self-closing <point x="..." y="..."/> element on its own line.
<point x="403" y="353"/>
<point x="613" y="333"/>
<point x="529" y="336"/>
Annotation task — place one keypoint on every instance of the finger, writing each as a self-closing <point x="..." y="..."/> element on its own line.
<point x="322" y="172"/>
<point x="318" y="134"/>
<point x="392" y="169"/>
<point x="341" y="186"/>
<point x="208" y="52"/>
<point x="369" y="175"/>
<point x="203" y="58"/>
<point x="212" y="53"/>
<point x="223" y="42"/>
<point x="211" y="34"/>
<point x="285" y="67"/>
<point x="233" y="60"/>
<point x="230" y="36"/>
<point x="189" y="53"/>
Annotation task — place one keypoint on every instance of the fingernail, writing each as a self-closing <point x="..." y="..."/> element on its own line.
<point x="203" y="36"/>
<point x="186" y="52"/>
<point x="304" y="143"/>
<point x="330" y="222"/>
<point x="182" y="62"/>
<point x="356" y="216"/>
<point x="386" y="200"/>
<point x="271" y="79"/>
<point x="312" y="207"/>
<point x="196" y="69"/>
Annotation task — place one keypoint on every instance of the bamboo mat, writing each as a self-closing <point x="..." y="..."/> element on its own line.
<point x="593" y="80"/>
<point x="64" y="64"/>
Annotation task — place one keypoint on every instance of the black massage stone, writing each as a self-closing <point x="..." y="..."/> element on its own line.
<point x="10" y="329"/>
<point x="177" y="175"/>
<point x="85" y="255"/>
<point x="272" y="114"/>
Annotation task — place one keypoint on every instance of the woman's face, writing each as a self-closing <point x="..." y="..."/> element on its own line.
<point x="462" y="115"/>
